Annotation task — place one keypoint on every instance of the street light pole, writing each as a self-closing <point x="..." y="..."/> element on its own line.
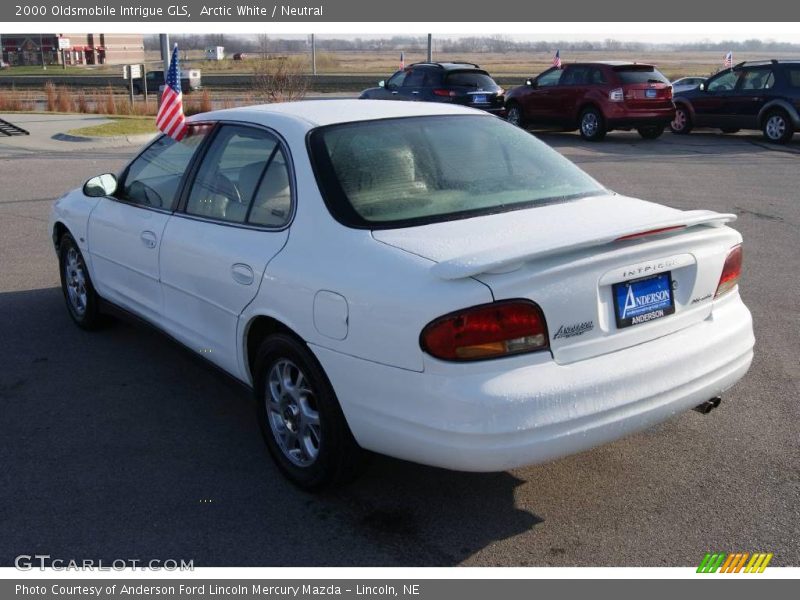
<point x="430" y="47"/>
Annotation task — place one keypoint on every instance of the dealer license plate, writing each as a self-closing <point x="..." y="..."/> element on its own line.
<point x="650" y="93"/>
<point x="643" y="300"/>
<point x="479" y="99"/>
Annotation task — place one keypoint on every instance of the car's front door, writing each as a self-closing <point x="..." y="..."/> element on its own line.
<point x="712" y="107"/>
<point x="125" y="232"/>
<point x="413" y="87"/>
<point x="232" y="220"/>
<point x="752" y="92"/>
<point x="391" y="87"/>
<point x="571" y="90"/>
<point x="539" y="103"/>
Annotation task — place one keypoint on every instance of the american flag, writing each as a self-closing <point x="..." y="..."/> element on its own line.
<point x="728" y="60"/>
<point x="557" y="59"/>
<point x="170" y="118"/>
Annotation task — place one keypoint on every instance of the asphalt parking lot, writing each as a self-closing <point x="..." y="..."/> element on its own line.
<point x="121" y="444"/>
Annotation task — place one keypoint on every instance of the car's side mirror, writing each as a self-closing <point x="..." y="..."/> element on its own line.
<point x="530" y="82"/>
<point x="382" y="83"/>
<point x="102" y="185"/>
<point x="702" y="87"/>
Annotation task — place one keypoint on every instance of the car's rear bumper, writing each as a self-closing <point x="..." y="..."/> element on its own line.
<point x="622" y="117"/>
<point x="517" y="414"/>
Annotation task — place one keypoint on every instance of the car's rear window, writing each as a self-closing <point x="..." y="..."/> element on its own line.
<point x="474" y="79"/>
<point x="640" y="74"/>
<point x="794" y="77"/>
<point x="408" y="171"/>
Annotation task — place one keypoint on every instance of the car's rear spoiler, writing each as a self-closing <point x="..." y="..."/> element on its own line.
<point x="500" y="258"/>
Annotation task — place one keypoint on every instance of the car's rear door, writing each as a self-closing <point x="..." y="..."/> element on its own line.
<point x="232" y="220"/>
<point x="125" y="231"/>
<point x="752" y="92"/>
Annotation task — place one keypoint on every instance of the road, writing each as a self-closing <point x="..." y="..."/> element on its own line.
<point x="121" y="444"/>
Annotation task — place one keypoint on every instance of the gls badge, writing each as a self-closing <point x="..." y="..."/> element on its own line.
<point x="576" y="329"/>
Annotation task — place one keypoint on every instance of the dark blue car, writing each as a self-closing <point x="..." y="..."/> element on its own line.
<point x="761" y="95"/>
<point x="451" y="82"/>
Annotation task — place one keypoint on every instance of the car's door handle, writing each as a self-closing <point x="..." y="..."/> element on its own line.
<point x="415" y="92"/>
<point x="242" y="273"/>
<point x="149" y="239"/>
<point x="394" y="93"/>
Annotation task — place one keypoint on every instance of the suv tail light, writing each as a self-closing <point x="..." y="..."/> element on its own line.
<point x="487" y="331"/>
<point x="616" y="95"/>
<point x="446" y="93"/>
<point x="730" y="272"/>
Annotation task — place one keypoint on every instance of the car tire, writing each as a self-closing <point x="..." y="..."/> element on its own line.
<point x="592" y="125"/>
<point x="730" y="130"/>
<point x="83" y="303"/>
<point x="652" y="132"/>
<point x="300" y="418"/>
<point x="777" y="127"/>
<point x="682" y="123"/>
<point x="514" y="114"/>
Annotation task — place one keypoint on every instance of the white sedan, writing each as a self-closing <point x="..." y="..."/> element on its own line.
<point x="420" y="280"/>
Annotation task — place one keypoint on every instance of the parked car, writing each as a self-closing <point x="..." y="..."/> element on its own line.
<point x="684" y="84"/>
<point x="191" y="81"/>
<point x="450" y="83"/>
<point x="4" y="64"/>
<point x="416" y="279"/>
<point x="761" y="95"/>
<point x="595" y="98"/>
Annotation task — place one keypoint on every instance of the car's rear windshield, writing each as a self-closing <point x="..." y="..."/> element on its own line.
<point x="640" y="74"/>
<point x="474" y="79"/>
<point x="414" y="170"/>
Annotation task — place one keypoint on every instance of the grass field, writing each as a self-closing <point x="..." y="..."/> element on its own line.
<point x="672" y="64"/>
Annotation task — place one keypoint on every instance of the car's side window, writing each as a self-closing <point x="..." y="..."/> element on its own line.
<point x="243" y="179"/>
<point x="757" y="79"/>
<point x="549" y="78"/>
<point x="575" y="76"/>
<point x="596" y="76"/>
<point x="724" y="82"/>
<point x="416" y="78"/>
<point x="396" y="80"/>
<point x="154" y="177"/>
<point x="272" y="202"/>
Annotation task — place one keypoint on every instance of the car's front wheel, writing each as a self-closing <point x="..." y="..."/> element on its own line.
<point x="651" y="132"/>
<point x="300" y="417"/>
<point x="592" y="125"/>
<point x="514" y="115"/>
<point x="79" y="293"/>
<point x="682" y="123"/>
<point x="777" y="127"/>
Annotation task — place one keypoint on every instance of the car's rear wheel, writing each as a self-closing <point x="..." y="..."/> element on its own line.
<point x="592" y="125"/>
<point x="682" y="123"/>
<point x="79" y="293"/>
<point x="514" y="115"/>
<point x="730" y="130"/>
<point x="652" y="132"/>
<point x="300" y="417"/>
<point x="777" y="127"/>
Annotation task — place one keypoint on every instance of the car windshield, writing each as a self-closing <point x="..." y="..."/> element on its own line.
<point x="640" y="74"/>
<point x="407" y="171"/>
<point x="474" y="79"/>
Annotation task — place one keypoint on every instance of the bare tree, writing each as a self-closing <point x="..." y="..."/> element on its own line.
<point x="279" y="79"/>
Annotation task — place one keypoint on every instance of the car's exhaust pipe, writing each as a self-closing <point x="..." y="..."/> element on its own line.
<point x="709" y="405"/>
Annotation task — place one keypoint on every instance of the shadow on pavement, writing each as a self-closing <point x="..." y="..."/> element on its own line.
<point x="121" y="444"/>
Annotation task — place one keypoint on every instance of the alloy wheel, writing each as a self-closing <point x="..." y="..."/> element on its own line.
<point x="775" y="127"/>
<point x="75" y="278"/>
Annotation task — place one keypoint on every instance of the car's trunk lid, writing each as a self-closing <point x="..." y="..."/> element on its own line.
<point x="568" y="257"/>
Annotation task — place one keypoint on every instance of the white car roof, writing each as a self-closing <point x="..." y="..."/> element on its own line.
<point x="316" y="113"/>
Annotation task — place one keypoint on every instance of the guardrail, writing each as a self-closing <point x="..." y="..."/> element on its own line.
<point x="316" y="83"/>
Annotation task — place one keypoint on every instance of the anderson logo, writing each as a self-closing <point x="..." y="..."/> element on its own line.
<point x="638" y="304"/>
<point x="569" y="331"/>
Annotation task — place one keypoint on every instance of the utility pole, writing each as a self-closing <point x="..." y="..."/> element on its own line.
<point x="313" y="55"/>
<point x="164" y="38"/>
<point x="430" y="47"/>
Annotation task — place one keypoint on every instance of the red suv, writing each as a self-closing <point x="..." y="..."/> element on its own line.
<point x="595" y="98"/>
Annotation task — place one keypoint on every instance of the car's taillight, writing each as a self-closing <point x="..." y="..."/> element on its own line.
<point x="616" y="95"/>
<point x="730" y="272"/>
<point x="447" y="93"/>
<point x="669" y="93"/>
<point x="487" y="331"/>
